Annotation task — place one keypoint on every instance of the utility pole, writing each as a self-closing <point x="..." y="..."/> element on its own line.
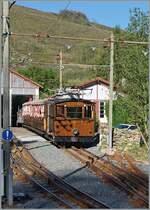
<point x="1" y="150"/>
<point x="111" y="89"/>
<point x="60" y="70"/>
<point x="6" y="104"/>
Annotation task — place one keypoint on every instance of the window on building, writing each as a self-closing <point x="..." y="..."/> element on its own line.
<point x="74" y="112"/>
<point x="102" y="109"/>
<point x="88" y="111"/>
<point x="60" y="111"/>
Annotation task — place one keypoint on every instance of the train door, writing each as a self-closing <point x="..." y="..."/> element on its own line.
<point x="50" y="118"/>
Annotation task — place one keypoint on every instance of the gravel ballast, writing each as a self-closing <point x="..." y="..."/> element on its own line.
<point x="62" y="164"/>
<point x="31" y="197"/>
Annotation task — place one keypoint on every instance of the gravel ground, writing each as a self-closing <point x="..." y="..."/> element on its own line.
<point x="30" y="197"/>
<point x="62" y="164"/>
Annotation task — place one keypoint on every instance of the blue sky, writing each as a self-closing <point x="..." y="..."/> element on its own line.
<point x="106" y="12"/>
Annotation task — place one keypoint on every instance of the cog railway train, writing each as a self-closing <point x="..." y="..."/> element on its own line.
<point x="65" y="118"/>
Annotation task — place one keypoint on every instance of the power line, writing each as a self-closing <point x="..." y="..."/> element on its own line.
<point x="59" y="18"/>
<point x="68" y="64"/>
<point x="38" y="35"/>
<point x="11" y="5"/>
<point x="32" y="54"/>
<point x="55" y="49"/>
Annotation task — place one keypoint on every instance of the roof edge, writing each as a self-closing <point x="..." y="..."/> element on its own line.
<point x="25" y="78"/>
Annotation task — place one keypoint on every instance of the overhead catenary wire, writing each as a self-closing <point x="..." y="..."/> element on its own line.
<point x="67" y="64"/>
<point x="59" y="18"/>
<point x="57" y="48"/>
<point x="32" y="53"/>
<point x="40" y="35"/>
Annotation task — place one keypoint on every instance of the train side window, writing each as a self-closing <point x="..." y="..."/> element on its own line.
<point x="60" y="112"/>
<point x="74" y="112"/>
<point x="87" y="111"/>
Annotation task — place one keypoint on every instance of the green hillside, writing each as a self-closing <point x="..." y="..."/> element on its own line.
<point x="44" y="50"/>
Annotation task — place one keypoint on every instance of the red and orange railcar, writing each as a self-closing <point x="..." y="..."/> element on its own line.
<point x="64" y="118"/>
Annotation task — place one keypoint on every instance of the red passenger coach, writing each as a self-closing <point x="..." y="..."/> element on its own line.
<point x="64" y="118"/>
<point x="34" y="114"/>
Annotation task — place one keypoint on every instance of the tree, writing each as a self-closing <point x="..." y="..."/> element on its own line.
<point x="131" y="72"/>
<point x="139" y="23"/>
<point x="71" y="15"/>
<point x="48" y="78"/>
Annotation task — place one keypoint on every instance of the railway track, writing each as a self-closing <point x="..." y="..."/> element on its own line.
<point x="116" y="170"/>
<point x="119" y="171"/>
<point x="55" y="187"/>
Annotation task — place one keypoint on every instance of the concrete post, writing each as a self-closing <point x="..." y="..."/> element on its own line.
<point x="111" y="90"/>
<point x="6" y="103"/>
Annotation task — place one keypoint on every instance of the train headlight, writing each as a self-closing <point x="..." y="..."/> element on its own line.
<point x="75" y="132"/>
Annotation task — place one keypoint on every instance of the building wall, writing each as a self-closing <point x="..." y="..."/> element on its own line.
<point x="22" y="88"/>
<point x="99" y="93"/>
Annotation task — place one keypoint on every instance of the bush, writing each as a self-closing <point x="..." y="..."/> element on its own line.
<point x="74" y="16"/>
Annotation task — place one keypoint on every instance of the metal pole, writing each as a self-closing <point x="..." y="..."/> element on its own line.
<point x="6" y="103"/>
<point x="111" y="90"/>
<point x="1" y="150"/>
<point x="60" y="70"/>
<point x="148" y="121"/>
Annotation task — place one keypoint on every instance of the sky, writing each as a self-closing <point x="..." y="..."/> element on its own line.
<point x="105" y="12"/>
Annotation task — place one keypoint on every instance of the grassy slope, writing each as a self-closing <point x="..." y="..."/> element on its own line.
<point x="27" y="20"/>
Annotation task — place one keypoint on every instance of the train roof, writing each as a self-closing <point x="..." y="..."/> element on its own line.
<point x="59" y="98"/>
<point x="66" y="97"/>
<point x="42" y="101"/>
<point x="57" y="101"/>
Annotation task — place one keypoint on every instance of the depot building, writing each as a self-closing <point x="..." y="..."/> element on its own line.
<point x="22" y="89"/>
<point x="97" y="90"/>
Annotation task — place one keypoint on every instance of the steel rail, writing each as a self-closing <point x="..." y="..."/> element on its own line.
<point x="82" y="196"/>
<point x="113" y="173"/>
<point x="118" y="170"/>
<point x="98" y="165"/>
<point x="63" y="185"/>
<point x="23" y="167"/>
<point x="69" y="205"/>
<point x="38" y="180"/>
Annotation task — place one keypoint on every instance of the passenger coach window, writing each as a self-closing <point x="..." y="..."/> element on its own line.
<point x="74" y="112"/>
<point x="60" y="111"/>
<point x="87" y="111"/>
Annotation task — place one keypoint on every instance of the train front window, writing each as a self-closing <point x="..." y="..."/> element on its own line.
<point x="60" y="111"/>
<point x="87" y="111"/>
<point x="74" y="112"/>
